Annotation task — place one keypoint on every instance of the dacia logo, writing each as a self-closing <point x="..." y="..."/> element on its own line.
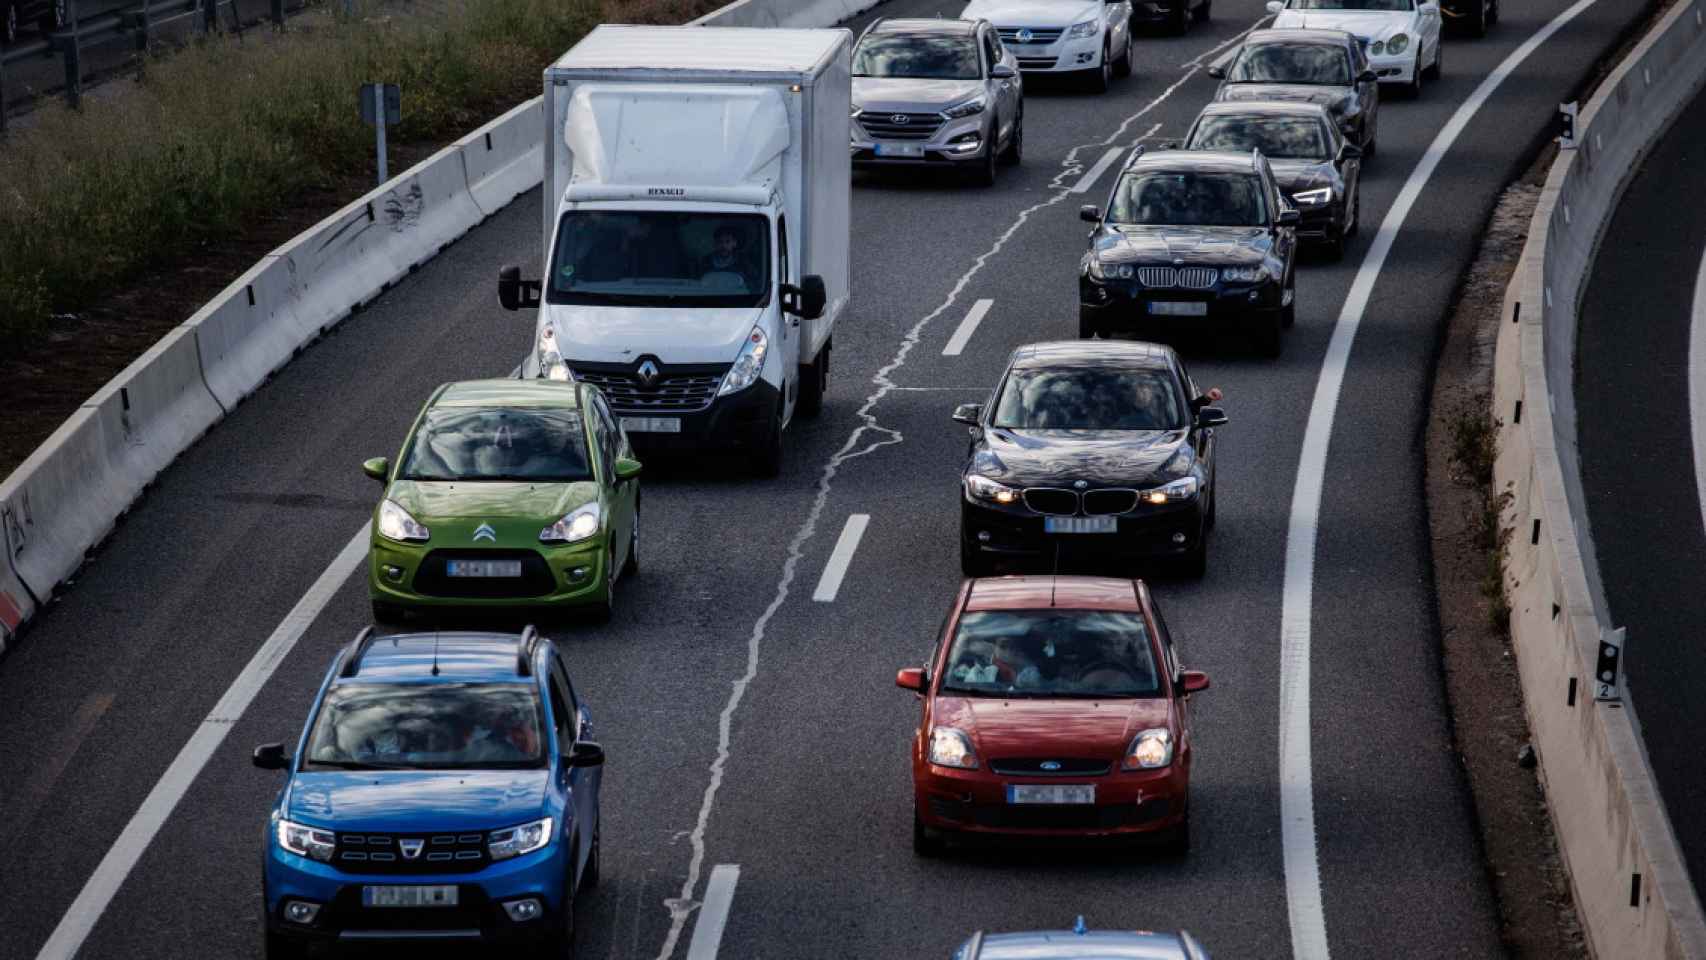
<point x="1050" y="765"/>
<point x="485" y="532"/>
<point x="411" y="848"/>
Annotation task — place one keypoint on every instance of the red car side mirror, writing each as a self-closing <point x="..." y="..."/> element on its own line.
<point x="912" y="678"/>
<point x="1195" y="681"/>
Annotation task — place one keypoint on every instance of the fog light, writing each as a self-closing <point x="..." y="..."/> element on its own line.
<point x="1178" y="538"/>
<point x="1086" y="57"/>
<point x="301" y="911"/>
<point x="983" y="536"/>
<point x="1255" y="296"/>
<point x="522" y="911"/>
<point x="578" y="574"/>
<point x="393" y="573"/>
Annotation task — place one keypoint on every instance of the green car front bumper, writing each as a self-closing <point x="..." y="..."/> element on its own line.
<point x="416" y="575"/>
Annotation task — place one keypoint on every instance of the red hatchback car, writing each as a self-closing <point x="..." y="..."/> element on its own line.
<point x="1053" y="706"/>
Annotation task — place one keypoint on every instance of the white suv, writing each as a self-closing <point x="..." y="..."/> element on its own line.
<point x="1087" y="37"/>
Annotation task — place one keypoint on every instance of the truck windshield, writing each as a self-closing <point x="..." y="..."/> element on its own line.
<point x="654" y="258"/>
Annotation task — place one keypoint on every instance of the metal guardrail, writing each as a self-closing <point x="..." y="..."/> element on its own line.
<point x="138" y="23"/>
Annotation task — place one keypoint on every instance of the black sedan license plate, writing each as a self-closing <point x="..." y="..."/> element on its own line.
<point x="1080" y="525"/>
<point x="413" y="895"/>
<point x="483" y="568"/>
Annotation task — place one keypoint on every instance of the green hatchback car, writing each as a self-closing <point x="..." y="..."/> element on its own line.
<point x="507" y="493"/>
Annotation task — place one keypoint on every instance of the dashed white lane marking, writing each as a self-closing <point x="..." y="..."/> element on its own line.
<point x="78" y="921"/>
<point x="1297" y="799"/>
<point x="1697" y="383"/>
<point x="1089" y="179"/>
<point x="840" y="558"/>
<point x="967" y="327"/>
<point x="714" y="915"/>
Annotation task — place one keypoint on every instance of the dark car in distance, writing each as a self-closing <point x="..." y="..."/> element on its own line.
<point x="47" y="15"/>
<point x="1315" y="165"/>
<point x="1174" y="15"/>
<point x="1191" y="241"/>
<point x="1098" y="453"/>
<point x="1328" y="67"/>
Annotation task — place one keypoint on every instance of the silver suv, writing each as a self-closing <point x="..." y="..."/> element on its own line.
<point x="941" y="93"/>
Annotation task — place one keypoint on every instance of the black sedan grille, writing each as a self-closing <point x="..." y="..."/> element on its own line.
<point x="674" y="390"/>
<point x="1104" y="502"/>
<point x="389" y="853"/>
<point x="433" y="580"/>
<point x="1062" y="767"/>
<point x="1059" y="502"/>
<point x="1052" y="501"/>
<point x="900" y="126"/>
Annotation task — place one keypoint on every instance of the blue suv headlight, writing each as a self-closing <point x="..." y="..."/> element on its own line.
<point x="519" y="840"/>
<point x="306" y="841"/>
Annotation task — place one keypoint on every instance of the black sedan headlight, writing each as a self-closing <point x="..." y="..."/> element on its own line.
<point x="990" y="491"/>
<point x="1319" y="197"/>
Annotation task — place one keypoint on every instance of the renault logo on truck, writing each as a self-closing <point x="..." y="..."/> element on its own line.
<point x="666" y="191"/>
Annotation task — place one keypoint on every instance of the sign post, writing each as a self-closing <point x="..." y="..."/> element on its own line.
<point x="381" y="104"/>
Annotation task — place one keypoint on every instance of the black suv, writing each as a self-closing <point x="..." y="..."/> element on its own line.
<point x="1191" y="238"/>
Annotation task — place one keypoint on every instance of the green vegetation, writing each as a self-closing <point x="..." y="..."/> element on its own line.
<point x="227" y="129"/>
<point x="1474" y="447"/>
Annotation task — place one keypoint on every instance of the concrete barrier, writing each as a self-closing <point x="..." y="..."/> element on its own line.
<point x="1631" y="885"/>
<point x="505" y="158"/>
<point x="17" y="604"/>
<point x="249" y="330"/>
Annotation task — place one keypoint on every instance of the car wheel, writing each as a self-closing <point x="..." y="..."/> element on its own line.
<point x="9" y="28"/>
<point x="972" y="561"/>
<point x="55" y="18"/>
<point x="387" y="613"/>
<point x="925" y="841"/>
<point x="631" y="566"/>
<point x="594" y="864"/>
<point x="1493" y="13"/>
<point x="1269" y="342"/>
<point x="1288" y="313"/>
<point x="1016" y="143"/>
<point x="1354" y="224"/>
<point x="1414" y="90"/>
<point x="600" y="611"/>
<point x="1439" y="61"/>
<point x="1102" y="76"/>
<point x="983" y="175"/>
<point x="559" y="944"/>
<point x="1479" y="20"/>
<point x="1122" y="66"/>
<point x="814" y="382"/>
<point x="1201" y="12"/>
<point x="276" y="947"/>
<point x="1335" y="253"/>
<point x="1180" y="18"/>
<point x="768" y="461"/>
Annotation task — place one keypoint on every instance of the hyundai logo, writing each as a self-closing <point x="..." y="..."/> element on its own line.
<point x="1050" y="765"/>
<point x="485" y="532"/>
<point x="1025" y="35"/>
<point x="648" y="372"/>
<point x="411" y="848"/>
<point x="900" y="119"/>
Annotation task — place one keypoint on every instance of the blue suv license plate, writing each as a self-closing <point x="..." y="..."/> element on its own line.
<point x="413" y="895"/>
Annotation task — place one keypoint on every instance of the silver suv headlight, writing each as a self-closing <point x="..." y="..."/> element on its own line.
<point x="1086" y="29"/>
<point x="748" y="365"/>
<point x="966" y="108"/>
<point x="519" y="840"/>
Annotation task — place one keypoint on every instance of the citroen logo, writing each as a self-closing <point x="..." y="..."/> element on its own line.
<point x="485" y="532"/>
<point x="411" y="848"/>
<point x="1025" y="35"/>
<point x="1080" y="484"/>
<point x="648" y="372"/>
<point x="1050" y="765"/>
<point x="900" y="119"/>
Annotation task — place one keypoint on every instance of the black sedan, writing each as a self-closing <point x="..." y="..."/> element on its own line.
<point x="1191" y="240"/>
<point x="1316" y="167"/>
<point x="1098" y="452"/>
<point x="1315" y="66"/>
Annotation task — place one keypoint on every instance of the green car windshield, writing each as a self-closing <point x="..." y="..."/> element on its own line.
<point x="453" y="726"/>
<point x="1051" y="653"/>
<point x="473" y="443"/>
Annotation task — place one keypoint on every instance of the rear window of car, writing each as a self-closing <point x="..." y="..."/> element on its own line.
<point x="1051" y="654"/>
<point x="500" y="443"/>
<point x="428" y="726"/>
<point x="1279" y="138"/>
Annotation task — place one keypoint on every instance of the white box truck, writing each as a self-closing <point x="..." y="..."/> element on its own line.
<point x="697" y="184"/>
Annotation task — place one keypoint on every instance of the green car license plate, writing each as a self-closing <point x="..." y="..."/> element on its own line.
<point x="1051" y="793"/>
<point x="483" y="568"/>
<point x="444" y="895"/>
<point x="1080" y="525"/>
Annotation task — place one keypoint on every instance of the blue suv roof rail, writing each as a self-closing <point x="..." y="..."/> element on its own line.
<point x="357" y="647"/>
<point x="524" y="651"/>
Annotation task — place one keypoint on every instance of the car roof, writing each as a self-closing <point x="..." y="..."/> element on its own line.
<point x="506" y="392"/>
<point x="1266" y="108"/>
<point x="1137" y="353"/>
<point x="925" y="26"/>
<point x="1090" y="945"/>
<point x="1044" y="591"/>
<point x="1193" y="161"/>
<point x="1300" y="35"/>
<point x="458" y="656"/>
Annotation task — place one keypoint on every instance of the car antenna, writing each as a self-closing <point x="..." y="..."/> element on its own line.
<point x="435" y="653"/>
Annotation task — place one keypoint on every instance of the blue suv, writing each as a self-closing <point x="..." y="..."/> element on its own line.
<point x="444" y="788"/>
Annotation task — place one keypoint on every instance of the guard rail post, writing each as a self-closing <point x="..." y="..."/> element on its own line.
<point x="142" y="27"/>
<point x="2" y="94"/>
<point x="209" y="16"/>
<point x="71" y="45"/>
<point x="278" y="12"/>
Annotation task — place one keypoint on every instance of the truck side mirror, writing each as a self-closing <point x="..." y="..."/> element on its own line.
<point x="515" y="293"/>
<point x="806" y="300"/>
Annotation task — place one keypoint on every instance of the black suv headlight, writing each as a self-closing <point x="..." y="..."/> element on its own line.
<point x="1255" y="274"/>
<point x="1111" y="271"/>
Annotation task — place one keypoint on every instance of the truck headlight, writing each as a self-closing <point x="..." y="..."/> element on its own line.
<point x="578" y="525"/>
<point x="1398" y="44"/>
<point x="748" y="365"/>
<point x="1314" y="198"/>
<point x="966" y="108"/>
<point x="306" y="841"/>
<point x="952" y="748"/>
<point x="1086" y="29"/>
<point x="1183" y="488"/>
<point x="983" y="488"/>
<point x="551" y="365"/>
<point x="398" y="524"/>
<point x="1150" y="749"/>
<point x="519" y="840"/>
<point x="1255" y="274"/>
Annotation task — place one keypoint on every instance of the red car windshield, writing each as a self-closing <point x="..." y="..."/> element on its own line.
<point x="1051" y="654"/>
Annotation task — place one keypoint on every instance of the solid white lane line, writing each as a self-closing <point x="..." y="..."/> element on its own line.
<point x="1297" y="800"/>
<point x="967" y="327"/>
<point x="1089" y="179"/>
<point x="719" y="896"/>
<point x="86" y="910"/>
<point x="830" y="583"/>
<point x="1697" y="383"/>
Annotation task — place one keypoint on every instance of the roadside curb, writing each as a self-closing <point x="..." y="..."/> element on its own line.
<point x="1630" y="883"/>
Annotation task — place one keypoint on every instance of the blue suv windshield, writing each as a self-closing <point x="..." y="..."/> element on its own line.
<point x="428" y="726"/>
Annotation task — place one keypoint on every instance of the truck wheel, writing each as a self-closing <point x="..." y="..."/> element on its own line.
<point x="814" y="382"/>
<point x="767" y="459"/>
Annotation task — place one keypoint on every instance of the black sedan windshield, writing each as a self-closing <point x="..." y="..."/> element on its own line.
<point x="460" y="726"/>
<point x="1381" y="5"/>
<point x="1315" y="64"/>
<point x="923" y="58"/>
<point x="1051" y="653"/>
<point x="1279" y="138"/>
<point x="1189" y="199"/>
<point x="479" y="443"/>
<point x="1089" y="398"/>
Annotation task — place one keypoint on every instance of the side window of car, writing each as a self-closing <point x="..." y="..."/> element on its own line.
<point x="610" y="430"/>
<point x="991" y="48"/>
<point x="1168" y="649"/>
<point x="563" y="709"/>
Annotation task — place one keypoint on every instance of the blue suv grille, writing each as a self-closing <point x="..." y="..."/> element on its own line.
<point x="411" y="852"/>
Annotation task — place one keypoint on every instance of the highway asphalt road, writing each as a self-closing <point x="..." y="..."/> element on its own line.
<point x="1640" y="457"/>
<point x="812" y="785"/>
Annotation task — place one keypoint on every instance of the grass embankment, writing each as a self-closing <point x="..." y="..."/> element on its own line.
<point x="229" y="128"/>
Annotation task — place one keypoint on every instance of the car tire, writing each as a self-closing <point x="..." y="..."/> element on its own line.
<point x="814" y="383"/>
<point x="1413" y="90"/>
<point x="983" y="175"/>
<point x="1288" y="313"/>
<point x="1335" y="253"/>
<point x="1354" y="226"/>
<point x="559" y="944"/>
<point x="1269" y="340"/>
<point x="1122" y="66"/>
<point x="767" y="461"/>
<point x="1202" y="11"/>
<point x="601" y="611"/>
<point x="1016" y="143"/>
<point x="1100" y="78"/>
<point x="387" y="613"/>
<point x="594" y="865"/>
<point x="972" y="561"/>
<point x="277" y="947"/>
<point x="926" y="842"/>
<point x="1476" y="23"/>
<point x="631" y="566"/>
<point x="1194" y="564"/>
<point x="1493" y="14"/>
<point x="1088" y="329"/>
<point x="1438" y="65"/>
<point x="56" y="18"/>
<point x="1179" y="20"/>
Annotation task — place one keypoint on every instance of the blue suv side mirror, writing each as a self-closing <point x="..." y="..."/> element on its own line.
<point x="585" y="754"/>
<point x="271" y="756"/>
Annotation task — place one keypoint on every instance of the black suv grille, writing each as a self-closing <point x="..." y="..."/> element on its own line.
<point x="1052" y="501"/>
<point x="1063" y="767"/>
<point x="900" y="126"/>
<point x="675" y="389"/>
<point x="536" y="580"/>
<point x="1103" y="502"/>
<point x="388" y="852"/>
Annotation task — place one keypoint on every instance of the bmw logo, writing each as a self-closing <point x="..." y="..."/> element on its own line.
<point x="1025" y="35"/>
<point x="1080" y="484"/>
<point x="1050" y="765"/>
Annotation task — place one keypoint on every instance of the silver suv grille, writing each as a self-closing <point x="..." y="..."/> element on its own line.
<point x="900" y="126"/>
<point x="1038" y="34"/>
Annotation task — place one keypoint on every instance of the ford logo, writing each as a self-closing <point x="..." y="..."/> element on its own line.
<point x="1050" y="765"/>
<point x="1025" y="35"/>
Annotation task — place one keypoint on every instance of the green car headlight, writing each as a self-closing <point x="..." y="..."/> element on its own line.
<point x="395" y="523"/>
<point x="574" y="527"/>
